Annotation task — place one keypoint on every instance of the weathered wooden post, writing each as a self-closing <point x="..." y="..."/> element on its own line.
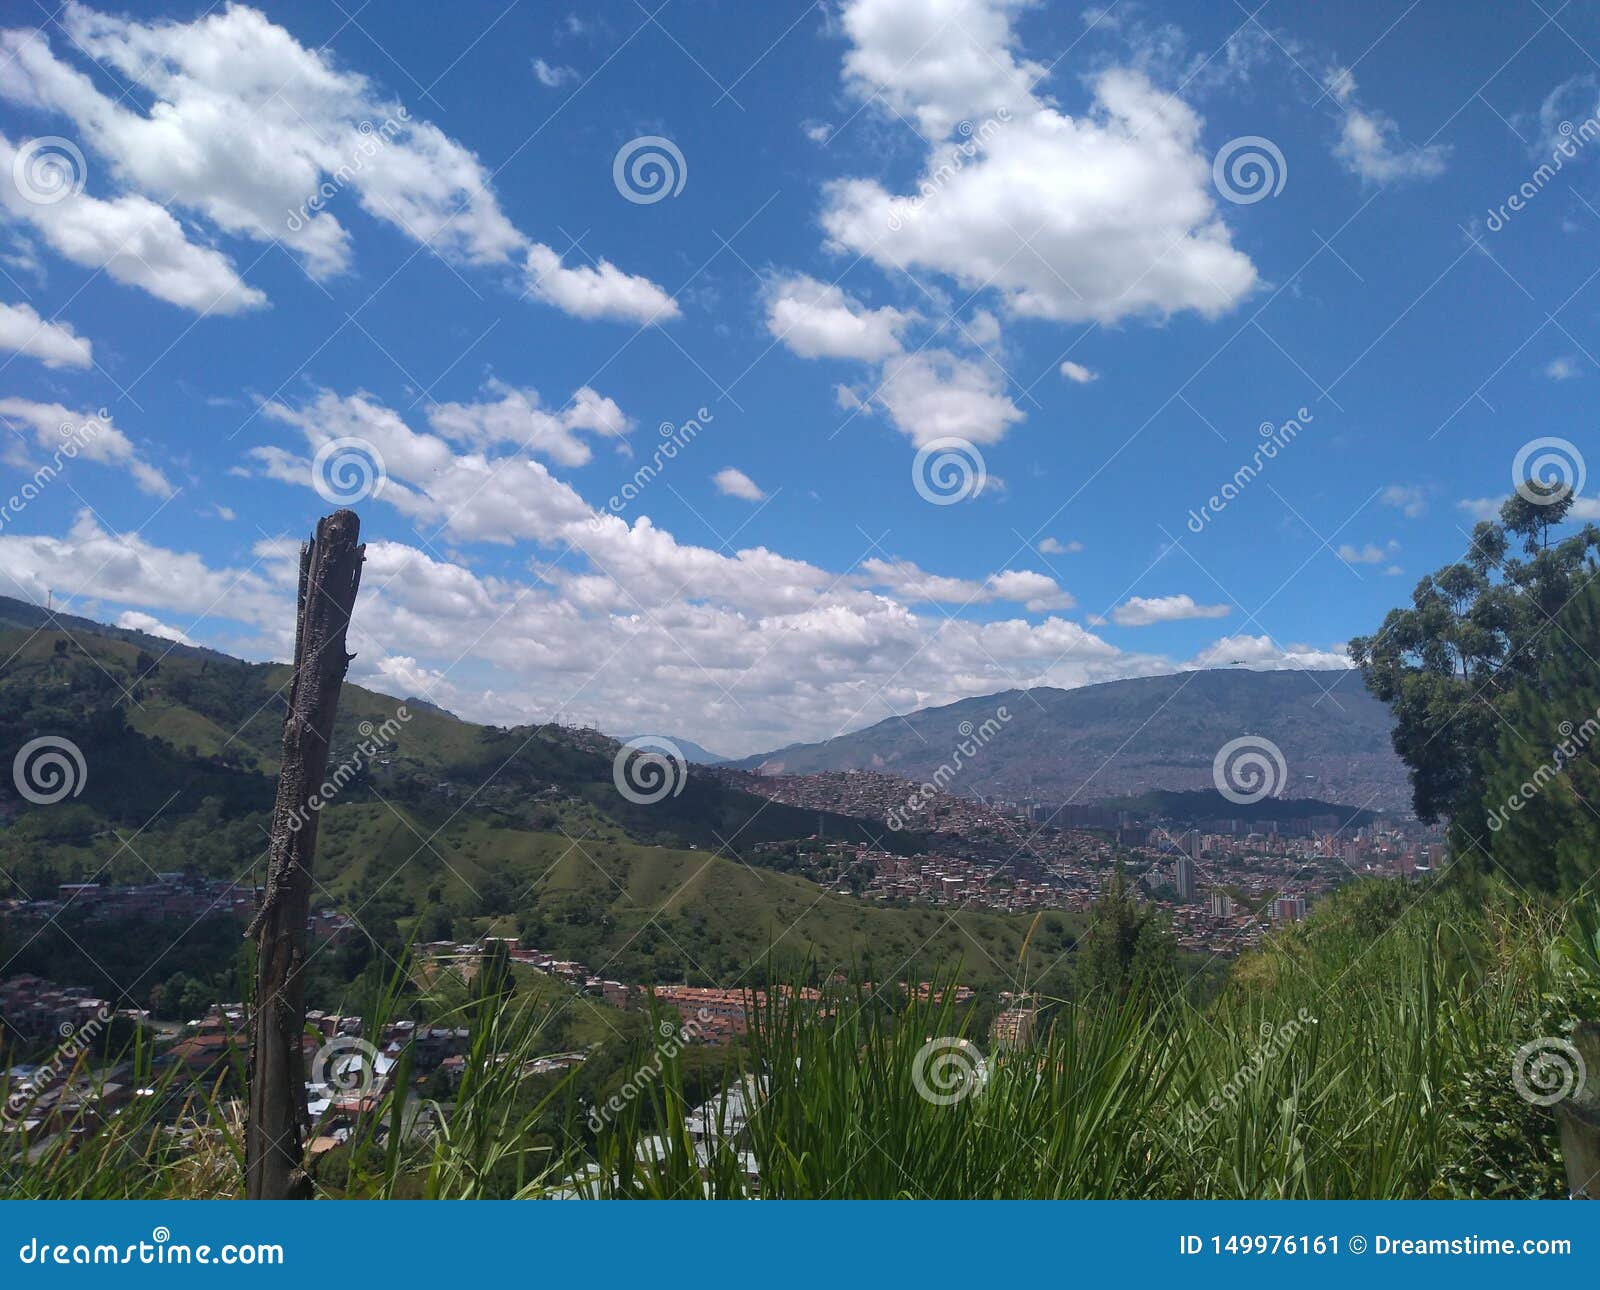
<point x="1579" y="1118"/>
<point x="330" y="573"/>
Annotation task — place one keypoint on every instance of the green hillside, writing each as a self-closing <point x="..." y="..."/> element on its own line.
<point x="448" y="830"/>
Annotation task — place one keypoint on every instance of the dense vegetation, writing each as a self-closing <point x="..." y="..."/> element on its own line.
<point x="453" y="830"/>
<point x="1457" y="664"/>
<point x="1366" y="1053"/>
<point x="1541" y="805"/>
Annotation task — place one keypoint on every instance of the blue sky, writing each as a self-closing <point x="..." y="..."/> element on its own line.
<point x="887" y="223"/>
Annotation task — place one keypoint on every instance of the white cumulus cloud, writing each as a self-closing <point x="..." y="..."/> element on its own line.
<point x="516" y="418"/>
<point x="819" y="320"/>
<point x="1103" y="215"/>
<point x="1369" y="141"/>
<point x="135" y="620"/>
<point x="54" y="344"/>
<point x="92" y="437"/>
<point x="934" y="394"/>
<point x="735" y="483"/>
<point x="1143" y="611"/>
<point x="230" y="117"/>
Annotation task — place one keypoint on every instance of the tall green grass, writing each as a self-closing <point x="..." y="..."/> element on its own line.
<point x="1366" y="1053"/>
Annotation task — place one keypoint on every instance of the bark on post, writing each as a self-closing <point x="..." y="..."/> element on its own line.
<point x="1579" y="1118"/>
<point x="330" y="572"/>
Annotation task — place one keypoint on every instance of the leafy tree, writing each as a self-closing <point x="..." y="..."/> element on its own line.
<point x="1129" y="947"/>
<point x="182" y="998"/>
<point x="437" y="924"/>
<point x="1475" y="630"/>
<point x="1542" y="797"/>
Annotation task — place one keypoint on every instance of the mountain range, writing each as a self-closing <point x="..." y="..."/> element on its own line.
<point x="691" y="751"/>
<point x="1125" y="738"/>
<point x="444" y="828"/>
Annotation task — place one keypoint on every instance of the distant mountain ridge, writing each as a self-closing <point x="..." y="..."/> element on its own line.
<point x="443" y="828"/>
<point x="1100" y="742"/>
<point x="1124" y="738"/>
<point x="691" y="751"/>
<point x="27" y="616"/>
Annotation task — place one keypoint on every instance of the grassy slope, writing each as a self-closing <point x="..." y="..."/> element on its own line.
<point x="624" y="908"/>
<point x="491" y="823"/>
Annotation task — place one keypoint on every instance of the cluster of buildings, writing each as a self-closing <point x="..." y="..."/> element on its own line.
<point x="1016" y="1024"/>
<point x="61" y="1088"/>
<point x="32" y="1008"/>
<point x="947" y="880"/>
<point x="873" y="795"/>
<point x="184" y="896"/>
<point x="171" y="895"/>
<point x="464" y="956"/>
<point x="712" y="1016"/>
<point x="38" y="1110"/>
<point x="718" y="1129"/>
<point x="1227" y="880"/>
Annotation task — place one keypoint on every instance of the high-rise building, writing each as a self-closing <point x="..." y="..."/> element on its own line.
<point x="1221" y="905"/>
<point x="1183" y="878"/>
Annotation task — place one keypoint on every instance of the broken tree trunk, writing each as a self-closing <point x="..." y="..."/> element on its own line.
<point x="1579" y="1117"/>
<point x="330" y="573"/>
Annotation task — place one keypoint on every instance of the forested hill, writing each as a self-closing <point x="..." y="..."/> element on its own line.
<point x="1124" y="738"/>
<point x="153" y="718"/>
<point x="447" y="829"/>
